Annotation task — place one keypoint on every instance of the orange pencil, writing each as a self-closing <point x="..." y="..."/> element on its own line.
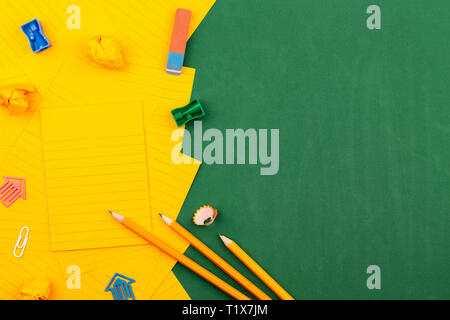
<point x="218" y="261"/>
<point x="256" y="268"/>
<point x="181" y="258"/>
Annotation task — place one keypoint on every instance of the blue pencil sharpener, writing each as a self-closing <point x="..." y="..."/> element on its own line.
<point x="34" y="33"/>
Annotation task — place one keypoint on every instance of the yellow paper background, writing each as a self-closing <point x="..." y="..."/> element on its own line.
<point x="17" y="58"/>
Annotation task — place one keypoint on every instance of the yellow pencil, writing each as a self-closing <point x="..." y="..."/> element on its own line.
<point x="218" y="261"/>
<point x="256" y="268"/>
<point x="181" y="258"/>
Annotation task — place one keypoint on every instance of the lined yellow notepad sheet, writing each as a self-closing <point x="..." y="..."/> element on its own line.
<point x="94" y="160"/>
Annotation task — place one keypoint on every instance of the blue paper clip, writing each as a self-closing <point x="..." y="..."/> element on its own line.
<point x="120" y="286"/>
<point x="38" y="41"/>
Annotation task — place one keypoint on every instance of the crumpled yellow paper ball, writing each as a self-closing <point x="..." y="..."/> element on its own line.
<point x="16" y="97"/>
<point x="37" y="289"/>
<point x="106" y="51"/>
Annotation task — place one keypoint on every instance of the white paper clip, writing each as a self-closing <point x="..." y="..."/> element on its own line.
<point x="18" y="246"/>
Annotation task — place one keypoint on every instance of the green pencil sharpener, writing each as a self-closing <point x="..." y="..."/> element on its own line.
<point x="192" y="111"/>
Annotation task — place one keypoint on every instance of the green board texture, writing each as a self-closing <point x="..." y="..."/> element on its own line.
<point x="364" y="154"/>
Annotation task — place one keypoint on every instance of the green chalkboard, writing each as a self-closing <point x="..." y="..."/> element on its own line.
<point x="364" y="125"/>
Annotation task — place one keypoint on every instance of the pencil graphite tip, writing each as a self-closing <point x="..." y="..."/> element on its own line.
<point x="116" y="216"/>
<point x="167" y="220"/>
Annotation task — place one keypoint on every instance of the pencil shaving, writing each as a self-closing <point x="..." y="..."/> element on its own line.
<point x="205" y="216"/>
